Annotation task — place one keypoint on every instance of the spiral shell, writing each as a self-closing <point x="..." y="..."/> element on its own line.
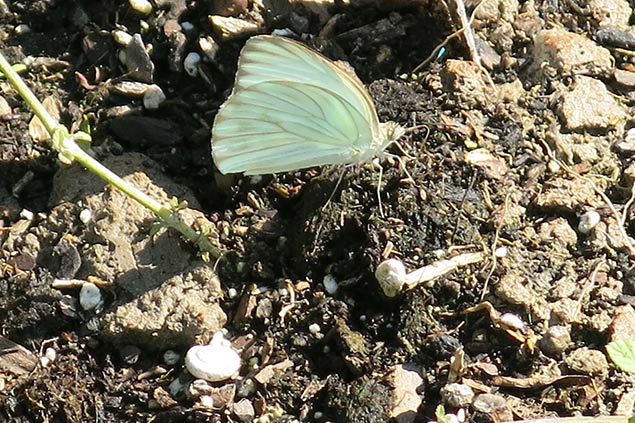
<point x="214" y="362"/>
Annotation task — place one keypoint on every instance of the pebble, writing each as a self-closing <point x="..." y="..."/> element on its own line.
<point x="244" y="410"/>
<point x="587" y="361"/>
<point x="190" y="63"/>
<point x="556" y="340"/>
<point x="85" y="215"/>
<point x="588" y="221"/>
<point x="137" y="60"/>
<point x="153" y="97"/>
<point x="90" y="296"/>
<point x="227" y="27"/>
<point x="121" y="37"/>
<point x="493" y="406"/>
<point x="171" y="357"/>
<point x="563" y="52"/>
<point x="130" y="354"/>
<point x="330" y="284"/>
<point x="142" y="6"/>
<point x="456" y="395"/>
<point x="622" y="325"/>
<point x="589" y="105"/>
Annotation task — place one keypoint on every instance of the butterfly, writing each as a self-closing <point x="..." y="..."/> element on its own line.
<point x="292" y="108"/>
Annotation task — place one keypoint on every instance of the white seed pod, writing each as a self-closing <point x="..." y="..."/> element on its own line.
<point x="391" y="275"/>
<point x="90" y="296"/>
<point x="190" y="63"/>
<point x="588" y="221"/>
<point x="214" y="362"/>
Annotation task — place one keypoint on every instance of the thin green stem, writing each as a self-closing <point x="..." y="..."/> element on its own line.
<point x="65" y="144"/>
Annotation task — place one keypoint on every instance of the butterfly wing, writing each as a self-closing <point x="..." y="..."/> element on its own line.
<point x="291" y="108"/>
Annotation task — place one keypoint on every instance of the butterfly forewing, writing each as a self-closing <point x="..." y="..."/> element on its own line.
<point x="292" y="108"/>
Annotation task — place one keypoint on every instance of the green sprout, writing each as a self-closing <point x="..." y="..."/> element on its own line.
<point x="68" y="148"/>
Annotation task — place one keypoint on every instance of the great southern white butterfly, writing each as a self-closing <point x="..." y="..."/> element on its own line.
<point x="292" y="108"/>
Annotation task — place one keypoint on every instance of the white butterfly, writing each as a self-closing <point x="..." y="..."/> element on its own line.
<point x="292" y="108"/>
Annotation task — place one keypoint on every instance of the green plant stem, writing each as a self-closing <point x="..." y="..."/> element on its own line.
<point x="67" y="147"/>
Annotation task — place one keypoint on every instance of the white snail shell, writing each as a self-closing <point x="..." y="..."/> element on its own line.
<point x="391" y="275"/>
<point x="214" y="362"/>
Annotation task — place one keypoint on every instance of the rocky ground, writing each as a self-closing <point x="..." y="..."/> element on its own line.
<point x="514" y="198"/>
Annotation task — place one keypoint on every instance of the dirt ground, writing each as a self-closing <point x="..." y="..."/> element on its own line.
<point x="521" y="167"/>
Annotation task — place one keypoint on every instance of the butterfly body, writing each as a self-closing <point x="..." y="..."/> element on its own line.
<point x="292" y="108"/>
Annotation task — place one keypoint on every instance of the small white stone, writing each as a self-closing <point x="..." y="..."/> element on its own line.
<point x="330" y="284"/>
<point x="588" y="221"/>
<point x="90" y="296"/>
<point x="232" y="293"/>
<point x="214" y="362"/>
<point x="22" y="29"/>
<point x="501" y="252"/>
<point x="209" y="47"/>
<point x="121" y="37"/>
<point x="85" y="216"/>
<point x="190" y="63"/>
<point x="153" y="97"/>
<point x="142" y="6"/>
<point x="26" y="214"/>
<point x="314" y="328"/>
<point x="553" y="166"/>
<point x="391" y="276"/>
<point x="187" y="26"/>
<point x="49" y="356"/>
<point x="171" y="357"/>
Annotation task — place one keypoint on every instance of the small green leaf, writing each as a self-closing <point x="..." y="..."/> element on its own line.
<point x="623" y="354"/>
<point x="631" y="420"/>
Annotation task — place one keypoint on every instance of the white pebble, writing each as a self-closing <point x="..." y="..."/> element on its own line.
<point x="190" y="63"/>
<point x="85" y="216"/>
<point x="171" y="357"/>
<point x="391" y="276"/>
<point x="142" y="6"/>
<point x="209" y="47"/>
<point x="22" y="29"/>
<point x="153" y="97"/>
<point x="553" y="166"/>
<point x="330" y="284"/>
<point x="26" y="214"/>
<point x="314" y="328"/>
<point x="187" y="26"/>
<point x="501" y="252"/>
<point x="588" y="221"/>
<point x="49" y="356"/>
<point x="214" y="362"/>
<point x="232" y="293"/>
<point x="89" y="296"/>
